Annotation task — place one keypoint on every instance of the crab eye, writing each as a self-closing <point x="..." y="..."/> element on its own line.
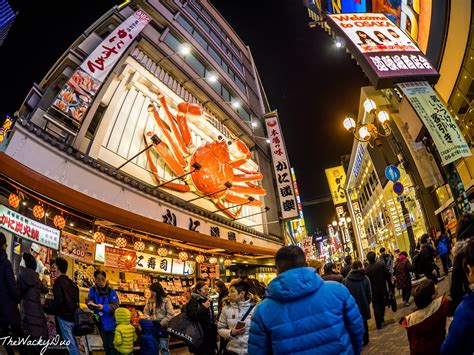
<point x="229" y="142"/>
<point x="219" y="138"/>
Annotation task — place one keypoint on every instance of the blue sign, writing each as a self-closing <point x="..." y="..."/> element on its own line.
<point x="398" y="188"/>
<point x="392" y="173"/>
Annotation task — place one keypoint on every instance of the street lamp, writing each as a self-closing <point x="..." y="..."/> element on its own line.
<point x="370" y="131"/>
<point x="334" y="223"/>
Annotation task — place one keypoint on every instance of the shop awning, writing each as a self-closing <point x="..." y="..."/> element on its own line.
<point x="53" y="190"/>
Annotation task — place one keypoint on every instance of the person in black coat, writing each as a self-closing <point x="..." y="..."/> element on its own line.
<point x="30" y="288"/>
<point x="359" y="287"/>
<point x="347" y="268"/>
<point x="379" y="278"/>
<point x="10" y="322"/>
<point x="199" y="309"/>
<point x="330" y="274"/>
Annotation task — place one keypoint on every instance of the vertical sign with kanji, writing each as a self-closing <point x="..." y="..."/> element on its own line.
<point x="78" y="93"/>
<point x="337" y="183"/>
<point x="281" y="166"/>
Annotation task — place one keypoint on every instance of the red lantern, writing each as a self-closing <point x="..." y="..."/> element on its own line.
<point x="200" y="258"/>
<point x="99" y="237"/>
<point x="14" y="200"/>
<point x="59" y="221"/>
<point x="183" y="256"/>
<point x="162" y="251"/>
<point x="139" y="245"/>
<point x="121" y="242"/>
<point x="38" y="212"/>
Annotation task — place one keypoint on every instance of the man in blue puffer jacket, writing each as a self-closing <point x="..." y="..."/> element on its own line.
<point x="302" y="314"/>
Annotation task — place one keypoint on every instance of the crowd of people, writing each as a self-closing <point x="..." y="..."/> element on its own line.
<point x="299" y="312"/>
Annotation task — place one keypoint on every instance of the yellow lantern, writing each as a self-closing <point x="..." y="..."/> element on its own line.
<point x="59" y="221"/>
<point x="121" y="242"/>
<point x="162" y="251"/>
<point x="14" y="200"/>
<point x="227" y="262"/>
<point x="38" y="212"/>
<point x="212" y="260"/>
<point x="183" y="256"/>
<point x="200" y="258"/>
<point x="99" y="237"/>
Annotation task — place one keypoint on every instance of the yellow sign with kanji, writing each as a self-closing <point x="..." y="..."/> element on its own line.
<point x="337" y="184"/>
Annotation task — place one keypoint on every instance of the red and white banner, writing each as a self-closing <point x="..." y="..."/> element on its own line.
<point x="120" y="258"/>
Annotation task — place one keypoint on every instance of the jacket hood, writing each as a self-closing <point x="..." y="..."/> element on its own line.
<point x="294" y="284"/>
<point x="122" y="315"/>
<point x="146" y="324"/>
<point x="28" y="276"/>
<point x="356" y="275"/>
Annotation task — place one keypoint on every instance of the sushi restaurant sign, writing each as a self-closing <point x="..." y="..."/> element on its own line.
<point x="78" y="93"/>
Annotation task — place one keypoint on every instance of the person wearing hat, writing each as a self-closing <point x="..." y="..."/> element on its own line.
<point x="159" y="309"/>
<point x="426" y="327"/>
<point x="35" y="250"/>
<point x="10" y="321"/>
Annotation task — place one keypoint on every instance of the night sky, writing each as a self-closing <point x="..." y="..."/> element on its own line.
<point x="311" y="83"/>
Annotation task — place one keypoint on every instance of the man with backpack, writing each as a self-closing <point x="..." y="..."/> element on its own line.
<point x="443" y="244"/>
<point x="66" y="302"/>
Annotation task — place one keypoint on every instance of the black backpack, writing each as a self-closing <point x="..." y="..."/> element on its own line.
<point x="83" y="323"/>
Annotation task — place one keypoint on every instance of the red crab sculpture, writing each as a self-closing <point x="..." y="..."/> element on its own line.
<point x="209" y="169"/>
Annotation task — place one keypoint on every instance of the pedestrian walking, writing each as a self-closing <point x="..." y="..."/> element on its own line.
<point x="426" y="327"/>
<point x="234" y="321"/>
<point x="426" y="260"/>
<point x="379" y="280"/>
<point x="159" y="309"/>
<point x="330" y="273"/>
<point x="125" y="333"/>
<point x="103" y="300"/>
<point x="401" y="271"/>
<point x="443" y="244"/>
<point x="459" y="282"/>
<point x="387" y="259"/>
<point x="10" y="322"/>
<point x="303" y="314"/>
<point x="31" y="288"/>
<point x="460" y="340"/>
<point x="358" y="285"/>
<point x="199" y="309"/>
<point x="347" y="268"/>
<point x="65" y="304"/>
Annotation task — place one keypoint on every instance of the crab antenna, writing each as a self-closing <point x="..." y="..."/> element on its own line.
<point x="196" y="167"/>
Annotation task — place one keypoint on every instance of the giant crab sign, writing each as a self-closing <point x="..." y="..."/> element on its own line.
<point x="213" y="169"/>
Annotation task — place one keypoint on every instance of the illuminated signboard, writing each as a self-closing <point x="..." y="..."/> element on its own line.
<point x="297" y="193"/>
<point x="337" y="180"/>
<point x="346" y="6"/>
<point x="358" y="159"/>
<point x="385" y="53"/>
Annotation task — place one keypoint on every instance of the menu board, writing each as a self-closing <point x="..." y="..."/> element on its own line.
<point x="77" y="248"/>
<point x="208" y="271"/>
<point x="120" y="258"/>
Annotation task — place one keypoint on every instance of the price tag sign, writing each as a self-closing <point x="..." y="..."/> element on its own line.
<point x="77" y="248"/>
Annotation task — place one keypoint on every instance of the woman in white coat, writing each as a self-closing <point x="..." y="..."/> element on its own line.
<point x="234" y="322"/>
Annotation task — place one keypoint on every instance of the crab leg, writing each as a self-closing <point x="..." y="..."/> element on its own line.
<point x="227" y="211"/>
<point x="164" y="152"/>
<point x="241" y="200"/>
<point x="247" y="177"/>
<point x="244" y="150"/>
<point x="247" y="190"/>
<point x="171" y="185"/>
<point x="174" y="127"/>
<point x="161" y="124"/>
<point x="185" y="108"/>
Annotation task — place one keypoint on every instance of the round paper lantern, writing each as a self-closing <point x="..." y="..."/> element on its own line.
<point x="212" y="260"/>
<point x="162" y="251"/>
<point x="227" y="262"/>
<point x="200" y="258"/>
<point x="121" y="242"/>
<point x="59" y="221"/>
<point x="139" y="245"/>
<point x="14" y="200"/>
<point x="99" y="237"/>
<point x="38" y="212"/>
<point x="183" y="256"/>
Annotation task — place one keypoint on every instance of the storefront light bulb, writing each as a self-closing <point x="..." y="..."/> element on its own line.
<point x="212" y="78"/>
<point x="24" y="203"/>
<point x="364" y="132"/>
<point x="349" y="123"/>
<point x="151" y="248"/>
<point x="267" y="140"/>
<point x="254" y="124"/>
<point x="71" y="224"/>
<point x="338" y="44"/>
<point x="235" y="104"/>
<point x="184" y="49"/>
<point x="383" y="117"/>
<point x="170" y="252"/>
<point x="369" y="105"/>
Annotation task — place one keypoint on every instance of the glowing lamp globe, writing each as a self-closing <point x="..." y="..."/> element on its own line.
<point x="369" y="105"/>
<point x="38" y="212"/>
<point x="13" y="200"/>
<point x="200" y="258"/>
<point x="59" y="221"/>
<point x="364" y="132"/>
<point x="349" y="123"/>
<point x="212" y="260"/>
<point x="121" y="242"/>
<point x="139" y="245"/>
<point x="99" y="237"/>
<point x="227" y="262"/>
<point x="383" y="117"/>
<point x="183" y="256"/>
<point x="162" y="251"/>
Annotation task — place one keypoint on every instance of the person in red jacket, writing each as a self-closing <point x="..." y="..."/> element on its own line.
<point x="426" y="327"/>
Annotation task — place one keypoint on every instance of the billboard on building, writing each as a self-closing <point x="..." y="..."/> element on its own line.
<point x="79" y="91"/>
<point x="385" y="53"/>
<point x="337" y="181"/>
<point x="438" y="121"/>
<point x="281" y="166"/>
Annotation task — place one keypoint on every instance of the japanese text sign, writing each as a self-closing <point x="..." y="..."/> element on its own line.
<point x="28" y="228"/>
<point x="154" y="263"/>
<point x="384" y="51"/>
<point x="285" y="189"/>
<point x="443" y="130"/>
<point x="337" y="180"/>
<point x="78" y="93"/>
<point x="77" y="248"/>
<point x="120" y="258"/>
<point x="359" y="220"/>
